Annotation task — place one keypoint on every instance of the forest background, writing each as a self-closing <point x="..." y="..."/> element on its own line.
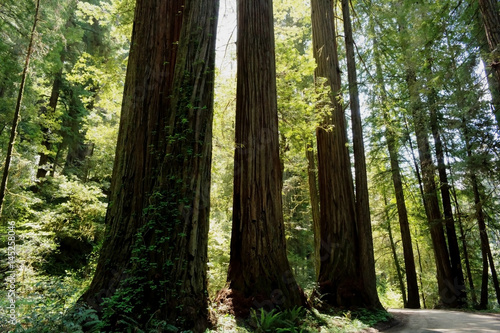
<point x="62" y="160"/>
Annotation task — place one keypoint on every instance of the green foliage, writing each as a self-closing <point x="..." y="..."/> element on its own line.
<point x="301" y="320"/>
<point x="276" y="321"/>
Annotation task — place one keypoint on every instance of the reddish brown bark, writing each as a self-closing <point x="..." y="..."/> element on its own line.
<point x="362" y="202"/>
<point x="491" y="21"/>
<point x="259" y="274"/>
<point x="340" y="281"/>
<point x="154" y="258"/>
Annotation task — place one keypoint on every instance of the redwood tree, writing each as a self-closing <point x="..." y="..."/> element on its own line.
<point x="341" y="278"/>
<point x="491" y="21"/>
<point x="362" y="202"/>
<point x="259" y="274"/>
<point x="153" y="262"/>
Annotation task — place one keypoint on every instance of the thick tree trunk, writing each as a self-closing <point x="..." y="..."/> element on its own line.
<point x="341" y="279"/>
<point x="153" y="262"/>
<point x="259" y="274"/>
<point x="490" y="73"/>
<point x="491" y="21"/>
<point x="15" y="121"/>
<point x="362" y="203"/>
<point x="314" y="197"/>
<point x="454" y="250"/>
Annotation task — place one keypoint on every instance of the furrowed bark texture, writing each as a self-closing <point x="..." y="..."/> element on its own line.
<point x="340" y="281"/>
<point x="156" y="246"/>
<point x="491" y="21"/>
<point x="259" y="274"/>
<point x="361" y="179"/>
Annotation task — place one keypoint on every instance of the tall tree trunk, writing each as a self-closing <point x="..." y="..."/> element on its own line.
<point x="413" y="301"/>
<point x="314" y="197"/>
<point x="464" y="247"/>
<point x="454" y="250"/>
<point x="421" y="272"/>
<point x="46" y="159"/>
<point x="490" y="73"/>
<point x="395" y="254"/>
<point x="485" y="244"/>
<point x="154" y="259"/>
<point x="467" y="262"/>
<point x="448" y="290"/>
<point x="418" y="174"/>
<point x="78" y="150"/>
<point x="362" y="204"/>
<point x="259" y="274"/>
<point x="491" y="21"/>
<point x="481" y="221"/>
<point x="341" y="280"/>
<point x="15" y="121"/>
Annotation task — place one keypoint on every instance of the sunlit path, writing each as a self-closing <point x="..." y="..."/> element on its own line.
<point x="424" y="321"/>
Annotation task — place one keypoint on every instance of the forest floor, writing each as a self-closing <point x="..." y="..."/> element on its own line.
<point x="427" y="321"/>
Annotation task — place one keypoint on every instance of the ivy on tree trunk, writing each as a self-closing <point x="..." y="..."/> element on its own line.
<point x="152" y="266"/>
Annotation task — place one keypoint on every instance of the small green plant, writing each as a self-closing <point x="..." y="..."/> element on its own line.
<point x="371" y="317"/>
<point x="276" y="321"/>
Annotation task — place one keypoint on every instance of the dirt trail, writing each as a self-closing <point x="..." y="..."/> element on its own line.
<point x="428" y="321"/>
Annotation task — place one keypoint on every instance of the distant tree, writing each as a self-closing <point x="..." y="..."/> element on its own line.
<point x="391" y="137"/>
<point x="46" y="159"/>
<point x="152" y="266"/>
<point x="314" y="199"/>
<point x="448" y="288"/>
<point x="454" y="250"/>
<point x="15" y="121"/>
<point x="259" y="274"/>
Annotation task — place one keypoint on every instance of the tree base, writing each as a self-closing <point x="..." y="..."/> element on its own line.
<point x="236" y="303"/>
<point x="348" y="295"/>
